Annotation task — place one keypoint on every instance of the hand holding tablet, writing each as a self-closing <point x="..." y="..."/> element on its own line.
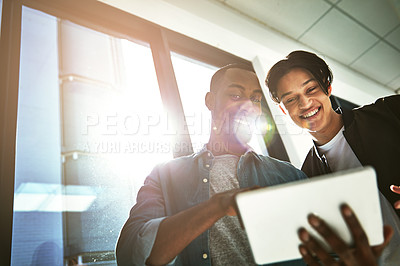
<point x="361" y="254"/>
<point x="272" y="216"/>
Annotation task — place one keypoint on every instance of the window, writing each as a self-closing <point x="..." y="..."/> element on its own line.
<point x="38" y="176"/>
<point x="193" y="78"/>
<point x="90" y="128"/>
<point x="91" y="122"/>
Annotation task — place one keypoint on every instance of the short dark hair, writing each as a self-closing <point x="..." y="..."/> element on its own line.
<point x="220" y="73"/>
<point x="299" y="59"/>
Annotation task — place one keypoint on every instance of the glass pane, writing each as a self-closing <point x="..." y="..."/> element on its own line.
<point x="89" y="131"/>
<point x="38" y="234"/>
<point x="1" y="12"/>
<point x="193" y="78"/>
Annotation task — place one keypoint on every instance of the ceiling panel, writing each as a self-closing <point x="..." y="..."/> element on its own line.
<point x="395" y="84"/>
<point x="283" y="15"/>
<point x="362" y="34"/>
<point x="377" y="15"/>
<point x="339" y="37"/>
<point x="394" y="38"/>
<point x="382" y="62"/>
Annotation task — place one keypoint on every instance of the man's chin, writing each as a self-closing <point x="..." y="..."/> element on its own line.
<point x="310" y="126"/>
<point x="243" y="132"/>
<point x="243" y="137"/>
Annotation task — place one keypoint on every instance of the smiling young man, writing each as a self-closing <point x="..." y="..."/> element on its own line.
<point x="235" y="104"/>
<point x="309" y="105"/>
<point x="343" y="139"/>
<point x="184" y="214"/>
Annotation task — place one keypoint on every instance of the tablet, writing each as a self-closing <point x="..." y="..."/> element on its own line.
<point x="271" y="216"/>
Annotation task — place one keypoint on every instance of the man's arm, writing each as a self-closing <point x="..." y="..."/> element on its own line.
<point x="177" y="231"/>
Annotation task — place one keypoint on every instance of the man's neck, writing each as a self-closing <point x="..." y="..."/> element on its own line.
<point x="324" y="136"/>
<point x="220" y="146"/>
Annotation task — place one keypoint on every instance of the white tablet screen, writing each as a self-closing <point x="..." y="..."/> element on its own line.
<point x="271" y="216"/>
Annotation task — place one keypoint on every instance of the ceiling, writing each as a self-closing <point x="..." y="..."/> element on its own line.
<point x="361" y="34"/>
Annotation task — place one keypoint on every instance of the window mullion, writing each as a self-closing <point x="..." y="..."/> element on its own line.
<point x="181" y="142"/>
<point x="10" y="44"/>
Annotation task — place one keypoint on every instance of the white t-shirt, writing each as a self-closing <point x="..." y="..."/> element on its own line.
<point x="339" y="154"/>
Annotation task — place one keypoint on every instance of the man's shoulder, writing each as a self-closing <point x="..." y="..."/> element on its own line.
<point x="172" y="169"/>
<point x="388" y="102"/>
<point x="280" y="164"/>
<point x="273" y="160"/>
<point x="178" y="162"/>
<point x="276" y="171"/>
<point x="391" y="99"/>
<point x="383" y="108"/>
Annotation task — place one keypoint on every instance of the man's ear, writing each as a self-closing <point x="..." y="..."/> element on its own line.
<point x="210" y="101"/>
<point x="329" y="90"/>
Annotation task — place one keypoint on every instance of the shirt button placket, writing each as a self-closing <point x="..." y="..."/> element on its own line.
<point x="207" y="165"/>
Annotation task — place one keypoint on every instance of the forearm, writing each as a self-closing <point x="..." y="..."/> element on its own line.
<point x="177" y="231"/>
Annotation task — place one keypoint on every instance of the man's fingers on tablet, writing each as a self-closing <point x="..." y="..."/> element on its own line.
<point x="307" y="257"/>
<point x="358" y="233"/>
<point x="397" y="204"/>
<point x="313" y="247"/>
<point x="336" y="243"/>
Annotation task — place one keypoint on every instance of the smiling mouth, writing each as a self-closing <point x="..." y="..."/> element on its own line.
<point x="311" y="113"/>
<point x="242" y="121"/>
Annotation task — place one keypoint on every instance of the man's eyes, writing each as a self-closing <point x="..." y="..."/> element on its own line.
<point x="256" y="100"/>
<point x="253" y="99"/>
<point x="290" y="100"/>
<point x="312" y="89"/>
<point x="235" y="97"/>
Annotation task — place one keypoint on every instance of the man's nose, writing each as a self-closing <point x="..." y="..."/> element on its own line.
<point x="304" y="102"/>
<point x="248" y="106"/>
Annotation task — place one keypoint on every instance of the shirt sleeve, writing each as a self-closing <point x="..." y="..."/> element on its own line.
<point x="391" y="254"/>
<point x="298" y="173"/>
<point x="137" y="236"/>
<point x="145" y="239"/>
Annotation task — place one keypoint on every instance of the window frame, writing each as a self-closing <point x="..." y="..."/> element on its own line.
<point x="106" y="19"/>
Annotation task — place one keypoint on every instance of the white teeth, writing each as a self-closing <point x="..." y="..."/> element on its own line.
<point x="241" y="121"/>
<point x="311" y="113"/>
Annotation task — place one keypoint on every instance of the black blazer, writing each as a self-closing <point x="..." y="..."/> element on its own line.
<point x="373" y="133"/>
